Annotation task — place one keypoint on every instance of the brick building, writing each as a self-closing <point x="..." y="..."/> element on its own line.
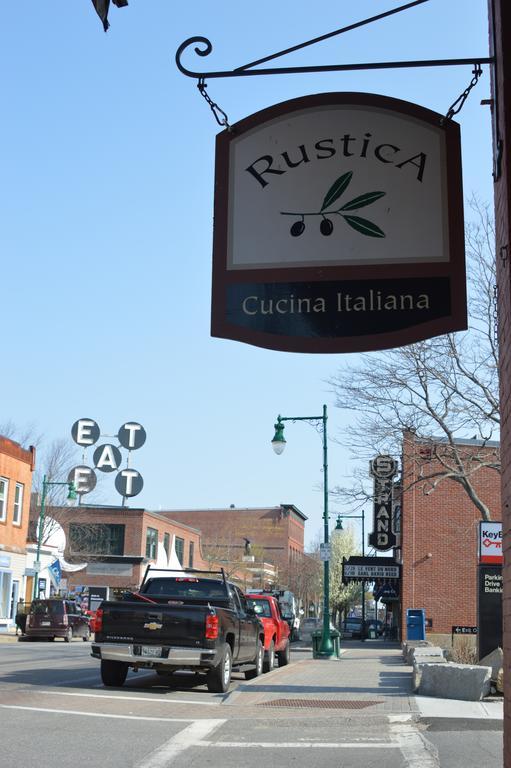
<point x="500" y="32"/>
<point x="115" y="545"/>
<point x="275" y="534"/>
<point x="16" y="468"/>
<point x="439" y="536"/>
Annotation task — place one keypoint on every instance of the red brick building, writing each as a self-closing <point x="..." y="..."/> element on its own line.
<point x="275" y="534"/>
<point x="439" y="537"/>
<point x="16" y="468"/>
<point x="500" y="32"/>
<point x="117" y="543"/>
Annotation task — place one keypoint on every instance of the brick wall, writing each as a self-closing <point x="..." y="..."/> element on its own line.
<point x="136" y="522"/>
<point x="276" y="531"/>
<point x="439" y="539"/>
<point x="16" y="465"/>
<point x="502" y="127"/>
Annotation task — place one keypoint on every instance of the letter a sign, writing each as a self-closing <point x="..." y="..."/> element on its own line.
<point x="338" y="226"/>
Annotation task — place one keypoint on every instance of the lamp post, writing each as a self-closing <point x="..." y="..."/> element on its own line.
<point x="71" y="496"/>
<point x="339" y="527"/>
<point x="326" y="648"/>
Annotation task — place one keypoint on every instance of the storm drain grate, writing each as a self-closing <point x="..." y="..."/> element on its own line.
<point x="318" y="704"/>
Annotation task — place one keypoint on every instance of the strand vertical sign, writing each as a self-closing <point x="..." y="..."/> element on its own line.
<point x="383" y="469"/>
<point x="338" y="226"/>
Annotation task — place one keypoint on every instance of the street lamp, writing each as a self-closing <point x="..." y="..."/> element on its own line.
<point x="339" y="527"/>
<point x="71" y="496"/>
<point x="326" y="649"/>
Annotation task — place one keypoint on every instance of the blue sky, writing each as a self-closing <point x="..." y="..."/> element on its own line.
<point x="106" y="195"/>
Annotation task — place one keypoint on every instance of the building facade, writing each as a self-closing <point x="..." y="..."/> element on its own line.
<point x="275" y="535"/>
<point x="16" y="467"/>
<point x="440" y="534"/>
<point x="112" y="546"/>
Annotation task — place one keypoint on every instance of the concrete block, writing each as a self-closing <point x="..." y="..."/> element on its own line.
<point x="455" y="681"/>
<point x="407" y="645"/>
<point x="417" y="671"/>
<point x="495" y="660"/>
<point x="431" y="653"/>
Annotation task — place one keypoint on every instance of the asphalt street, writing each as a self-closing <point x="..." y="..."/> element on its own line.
<point x="55" y="711"/>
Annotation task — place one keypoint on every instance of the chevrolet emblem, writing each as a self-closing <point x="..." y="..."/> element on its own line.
<point x="153" y="625"/>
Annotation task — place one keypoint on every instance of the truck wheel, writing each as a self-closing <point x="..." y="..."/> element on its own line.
<point x="113" y="672"/>
<point x="258" y="669"/>
<point x="283" y="656"/>
<point x="269" y="658"/>
<point x="219" y="677"/>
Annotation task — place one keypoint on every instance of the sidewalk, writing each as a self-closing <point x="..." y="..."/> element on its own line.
<point x="370" y="678"/>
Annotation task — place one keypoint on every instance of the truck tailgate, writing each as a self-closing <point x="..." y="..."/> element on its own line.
<point x="135" y="622"/>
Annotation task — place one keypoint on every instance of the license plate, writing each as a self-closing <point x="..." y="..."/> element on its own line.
<point x="45" y="623"/>
<point x="153" y="651"/>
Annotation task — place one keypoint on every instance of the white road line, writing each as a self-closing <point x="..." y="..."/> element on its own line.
<point x="96" y="714"/>
<point x="129" y="698"/>
<point x="188" y="737"/>
<point x="297" y="744"/>
<point x="415" y="748"/>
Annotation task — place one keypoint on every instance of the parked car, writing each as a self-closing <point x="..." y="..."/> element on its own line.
<point x="353" y="626"/>
<point x="56" y="617"/>
<point x="198" y="621"/>
<point x="276" y="630"/>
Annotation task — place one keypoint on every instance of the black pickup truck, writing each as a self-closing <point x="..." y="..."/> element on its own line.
<point x="179" y="622"/>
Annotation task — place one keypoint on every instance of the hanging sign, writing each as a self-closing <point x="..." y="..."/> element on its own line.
<point x="383" y="469"/>
<point x="338" y="226"/>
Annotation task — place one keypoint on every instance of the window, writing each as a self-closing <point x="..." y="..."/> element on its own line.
<point x="190" y="555"/>
<point x="180" y="549"/>
<point x="96" y="538"/>
<point x="166" y="544"/>
<point x="18" y="504"/>
<point x="4" y="491"/>
<point x="151" y="543"/>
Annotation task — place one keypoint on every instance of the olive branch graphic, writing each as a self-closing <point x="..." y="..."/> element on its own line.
<point x="326" y="227"/>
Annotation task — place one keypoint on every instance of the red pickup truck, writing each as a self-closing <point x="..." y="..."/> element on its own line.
<point x="276" y="629"/>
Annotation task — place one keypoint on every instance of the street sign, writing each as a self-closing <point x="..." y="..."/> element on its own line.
<point x="457" y="630"/>
<point x="325" y="551"/>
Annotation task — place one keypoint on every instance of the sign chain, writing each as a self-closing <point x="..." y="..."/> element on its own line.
<point x="457" y="105"/>
<point x="218" y="113"/>
<point x="496" y="316"/>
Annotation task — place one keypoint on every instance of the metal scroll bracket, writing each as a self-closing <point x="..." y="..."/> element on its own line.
<point x="203" y="48"/>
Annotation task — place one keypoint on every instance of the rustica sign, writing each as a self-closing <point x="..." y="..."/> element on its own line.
<point x="338" y="226"/>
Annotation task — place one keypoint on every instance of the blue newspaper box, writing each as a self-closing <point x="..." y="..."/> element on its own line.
<point x="415" y="624"/>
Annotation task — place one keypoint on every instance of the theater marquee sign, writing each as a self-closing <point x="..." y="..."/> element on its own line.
<point x="338" y="226"/>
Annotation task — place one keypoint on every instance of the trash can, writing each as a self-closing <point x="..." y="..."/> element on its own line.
<point x="415" y="624"/>
<point x="316" y="643"/>
<point x="371" y="635"/>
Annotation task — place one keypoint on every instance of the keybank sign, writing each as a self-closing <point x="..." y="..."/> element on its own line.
<point x="338" y="225"/>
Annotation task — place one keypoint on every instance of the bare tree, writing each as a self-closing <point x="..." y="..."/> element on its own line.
<point x="443" y="390"/>
<point x="304" y="579"/>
